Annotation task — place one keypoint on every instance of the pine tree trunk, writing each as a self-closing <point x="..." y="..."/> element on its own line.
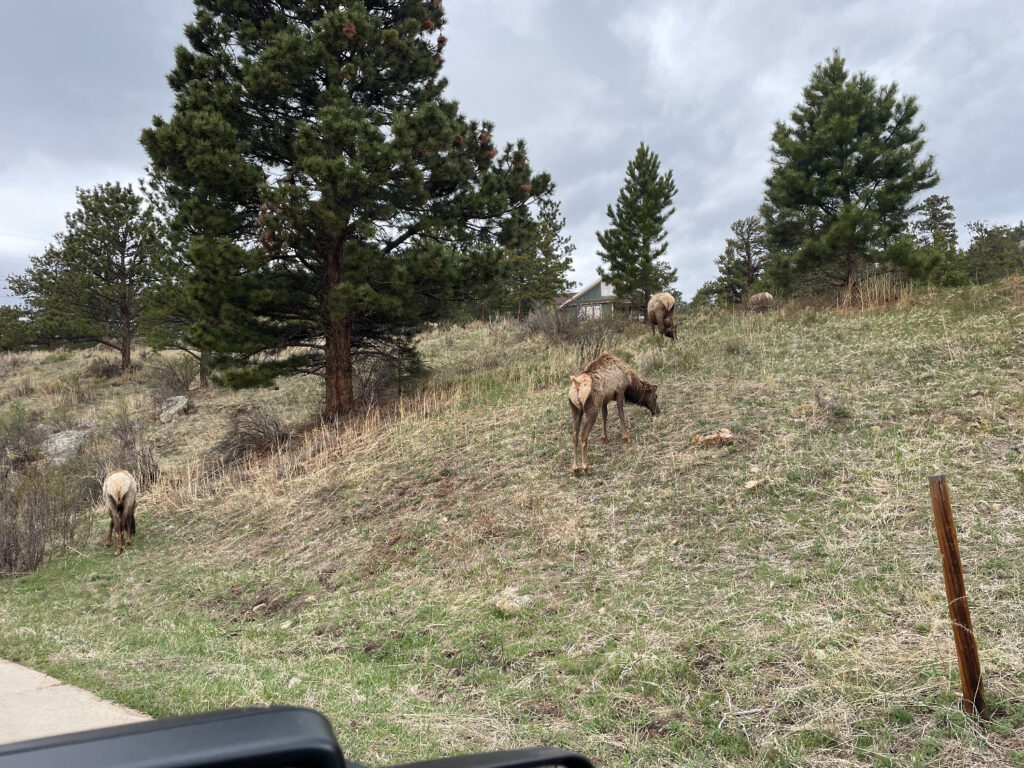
<point x="204" y="368"/>
<point x="521" y="310"/>
<point x="851" y="276"/>
<point x="338" y="375"/>
<point x="337" y="347"/>
<point x="126" y="351"/>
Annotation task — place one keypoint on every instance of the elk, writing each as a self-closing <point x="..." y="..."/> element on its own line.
<point x="661" y="314"/>
<point x="761" y="302"/>
<point x="605" y="379"/>
<point x="119" y="494"/>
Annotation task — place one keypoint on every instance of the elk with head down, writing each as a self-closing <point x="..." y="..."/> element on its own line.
<point x="119" y="494"/>
<point x="661" y="314"/>
<point x="605" y="379"/>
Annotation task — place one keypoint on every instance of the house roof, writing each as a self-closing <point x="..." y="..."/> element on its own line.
<point x="586" y="289"/>
<point x="579" y="293"/>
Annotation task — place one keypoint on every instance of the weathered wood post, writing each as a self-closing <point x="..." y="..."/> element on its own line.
<point x="956" y="594"/>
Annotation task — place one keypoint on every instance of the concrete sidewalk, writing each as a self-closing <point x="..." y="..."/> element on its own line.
<point x="34" y="705"/>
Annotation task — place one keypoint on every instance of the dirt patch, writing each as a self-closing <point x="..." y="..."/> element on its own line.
<point x="240" y="603"/>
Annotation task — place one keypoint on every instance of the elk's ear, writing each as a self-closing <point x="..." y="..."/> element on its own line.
<point x="654" y="387"/>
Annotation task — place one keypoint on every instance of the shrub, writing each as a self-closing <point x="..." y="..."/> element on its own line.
<point x="19" y="437"/>
<point x="169" y="375"/>
<point x="124" y="445"/>
<point x="376" y="379"/>
<point x="66" y="391"/>
<point x="252" y="432"/>
<point x="102" y="368"/>
<point x="39" y="513"/>
<point x="590" y="337"/>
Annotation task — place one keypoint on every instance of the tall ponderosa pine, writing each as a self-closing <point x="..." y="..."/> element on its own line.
<point x="844" y="172"/>
<point x="538" y="258"/>
<point x="935" y="257"/>
<point x="333" y="199"/>
<point x="935" y="221"/>
<point x="632" y="246"/>
<point x="87" y="285"/>
<point x="741" y="265"/>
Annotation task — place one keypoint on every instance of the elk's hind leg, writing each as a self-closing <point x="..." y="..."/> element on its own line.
<point x="604" y="427"/>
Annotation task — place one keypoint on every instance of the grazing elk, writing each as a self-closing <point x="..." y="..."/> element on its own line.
<point x="119" y="494"/>
<point x="761" y="302"/>
<point x="661" y="314"/>
<point x="605" y="379"/>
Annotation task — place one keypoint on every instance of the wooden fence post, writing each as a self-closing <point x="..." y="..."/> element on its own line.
<point x="956" y="594"/>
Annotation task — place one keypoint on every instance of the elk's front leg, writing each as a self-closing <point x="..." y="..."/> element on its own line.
<point x="620" y="402"/>
<point x="588" y="424"/>
<point x="577" y="418"/>
<point x="604" y="427"/>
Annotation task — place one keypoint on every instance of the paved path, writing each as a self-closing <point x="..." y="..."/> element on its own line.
<point x="33" y="705"/>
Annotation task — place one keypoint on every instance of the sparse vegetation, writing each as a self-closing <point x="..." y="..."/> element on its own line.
<point x="252" y="432"/>
<point x="677" y="613"/>
<point x="170" y="374"/>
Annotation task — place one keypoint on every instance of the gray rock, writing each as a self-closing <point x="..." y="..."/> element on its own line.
<point x="174" y="407"/>
<point x="42" y="431"/>
<point x="61" y="446"/>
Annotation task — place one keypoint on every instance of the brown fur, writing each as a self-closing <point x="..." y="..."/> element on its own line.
<point x="661" y="314"/>
<point x="605" y="379"/>
<point x="761" y="302"/>
<point x="120" y="492"/>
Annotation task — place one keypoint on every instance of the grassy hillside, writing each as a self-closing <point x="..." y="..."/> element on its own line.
<point x="658" y="612"/>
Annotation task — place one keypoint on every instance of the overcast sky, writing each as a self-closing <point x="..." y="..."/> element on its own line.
<point x="583" y="81"/>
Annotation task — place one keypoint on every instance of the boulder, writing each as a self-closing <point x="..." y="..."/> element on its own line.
<point x="511" y="602"/>
<point x="42" y="431"/>
<point x="61" y="446"/>
<point x="713" y="439"/>
<point x="174" y="407"/>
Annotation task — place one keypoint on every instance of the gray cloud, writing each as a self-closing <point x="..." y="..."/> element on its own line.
<point x="583" y="83"/>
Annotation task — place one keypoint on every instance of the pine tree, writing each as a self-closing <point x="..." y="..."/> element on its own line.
<point x="741" y="265"/>
<point x="936" y="220"/>
<point x="334" y="200"/>
<point x="935" y="257"/>
<point x="538" y="259"/>
<point x="844" y="172"/>
<point x="996" y="250"/>
<point x="87" y="285"/>
<point x="636" y="238"/>
<point x="169" y="314"/>
<point x="15" y="331"/>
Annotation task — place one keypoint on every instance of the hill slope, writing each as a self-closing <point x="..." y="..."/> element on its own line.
<point x="669" y="614"/>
